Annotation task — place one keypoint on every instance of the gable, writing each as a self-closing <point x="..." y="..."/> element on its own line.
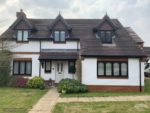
<point x="59" y="25"/>
<point x="105" y="26"/>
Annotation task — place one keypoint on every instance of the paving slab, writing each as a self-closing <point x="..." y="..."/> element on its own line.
<point x="46" y="103"/>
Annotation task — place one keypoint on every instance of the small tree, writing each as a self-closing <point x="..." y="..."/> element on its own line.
<point x="5" y="61"/>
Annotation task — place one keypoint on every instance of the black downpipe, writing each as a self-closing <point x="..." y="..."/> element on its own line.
<point x="40" y="61"/>
<point x="140" y="75"/>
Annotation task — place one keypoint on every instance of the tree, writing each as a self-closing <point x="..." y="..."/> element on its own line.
<point x="5" y="61"/>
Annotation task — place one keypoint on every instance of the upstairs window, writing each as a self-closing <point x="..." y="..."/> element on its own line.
<point x="105" y="36"/>
<point x="59" y="36"/>
<point x="22" y="35"/>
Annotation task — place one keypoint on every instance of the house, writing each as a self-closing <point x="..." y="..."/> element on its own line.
<point x="102" y="53"/>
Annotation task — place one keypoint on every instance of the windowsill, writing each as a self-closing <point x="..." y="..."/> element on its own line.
<point x="108" y="44"/>
<point x="47" y="71"/>
<point x="59" y="42"/>
<point x="22" y="75"/>
<point x="104" y="77"/>
<point x="22" y="41"/>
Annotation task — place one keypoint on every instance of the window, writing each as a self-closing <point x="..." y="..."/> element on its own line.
<point x="71" y="67"/>
<point x="100" y="68"/>
<point x="22" y="35"/>
<point x="60" y="67"/>
<point x="105" y="36"/>
<point x="124" y="69"/>
<point x="112" y="69"/>
<point x="116" y="69"/>
<point x="22" y="68"/>
<point x="59" y="36"/>
<point x="48" y="66"/>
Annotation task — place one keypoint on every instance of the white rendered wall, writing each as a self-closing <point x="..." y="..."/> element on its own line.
<point x="89" y="74"/>
<point x="31" y="46"/>
<point x="52" y="45"/>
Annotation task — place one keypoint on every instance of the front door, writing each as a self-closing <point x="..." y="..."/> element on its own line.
<point x="59" y="71"/>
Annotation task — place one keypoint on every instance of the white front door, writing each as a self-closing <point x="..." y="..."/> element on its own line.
<point x="59" y="70"/>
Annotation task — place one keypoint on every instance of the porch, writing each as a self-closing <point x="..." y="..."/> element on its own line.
<point x="59" y="64"/>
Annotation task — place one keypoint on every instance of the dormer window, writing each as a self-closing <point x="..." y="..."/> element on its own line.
<point x="105" y="36"/>
<point x="59" y="36"/>
<point x="22" y="35"/>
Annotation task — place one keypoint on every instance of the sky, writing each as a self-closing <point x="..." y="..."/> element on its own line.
<point x="133" y="13"/>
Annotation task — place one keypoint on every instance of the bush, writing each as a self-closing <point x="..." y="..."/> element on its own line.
<point x="17" y="81"/>
<point x="22" y="82"/>
<point x="36" y="82"/>
<point x="71" y="86"/>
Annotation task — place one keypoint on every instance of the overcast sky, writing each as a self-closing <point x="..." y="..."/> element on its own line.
<point x="133" y="13"/>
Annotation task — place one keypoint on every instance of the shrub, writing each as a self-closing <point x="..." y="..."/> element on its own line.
<point x="71" y="86"/>
<point x="36" y="82"/>
<point x="22" y="82"/>
<point x="17" y="81"/>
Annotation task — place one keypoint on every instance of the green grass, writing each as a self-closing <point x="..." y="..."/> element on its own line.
<point x="103" y="107"/>
<point x="18" y="100"/>
<point x="109" y="93"/>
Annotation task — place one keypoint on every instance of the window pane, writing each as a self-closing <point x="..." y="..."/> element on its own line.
<point x="19" y="35"/>
<point x="100" y="68"/>
<point x="25" y="35"/>
<point x="108" y="69"/>
<point x="48" y="66"/>
<point x="56" y="35"/>
<point x="71" y="67"/>
<point x="61" y="67"/>
<point x="123" y="69"/>
<point x="28" y="68"/>
<point x="62" y="36"/>
<point x="16" y="65"/>
<point x="102" y="36"/>
<point x="116" y="69"/>
<point x="108" y="37"/>
<point x="22" y="67"/>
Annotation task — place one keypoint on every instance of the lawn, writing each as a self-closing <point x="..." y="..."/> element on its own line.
<point x="103" y="107"/>
<point x="109" y="93"/>
<point x="18" y="100"/>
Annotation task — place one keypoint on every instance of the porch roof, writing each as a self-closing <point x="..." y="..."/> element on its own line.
<point x="59" y="55"/>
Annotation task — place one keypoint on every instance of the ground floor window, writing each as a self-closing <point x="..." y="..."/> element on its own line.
<point x="22" y="68"/>
<point x="112" y="69"/>
<point x="48" y="66"/>
<point x="71" y="66"/>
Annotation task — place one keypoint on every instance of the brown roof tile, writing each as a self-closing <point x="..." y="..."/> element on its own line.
<point x="82" y="29"/>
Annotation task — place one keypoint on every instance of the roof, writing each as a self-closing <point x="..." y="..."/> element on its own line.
<point x="147" y="50"/>
<point x="134" y="35"/>
<point x="125" y="41"/>
<point x="59" y="55"/>
<point x="59" y="18"/>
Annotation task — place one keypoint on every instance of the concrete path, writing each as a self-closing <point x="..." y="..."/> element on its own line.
<point x="48" y="101"/>
<point x="98" y="99"/>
